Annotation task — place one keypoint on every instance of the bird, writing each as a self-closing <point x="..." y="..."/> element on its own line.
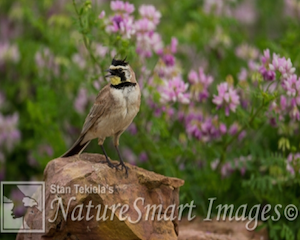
<point x="114" y="109"/>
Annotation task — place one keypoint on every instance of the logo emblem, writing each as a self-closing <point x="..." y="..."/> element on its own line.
<point x="22" y="203"/>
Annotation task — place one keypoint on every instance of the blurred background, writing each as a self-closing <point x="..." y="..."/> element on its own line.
<point x="52" y="57"/>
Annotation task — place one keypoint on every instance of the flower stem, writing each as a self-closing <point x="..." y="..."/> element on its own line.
<point x="86" y="41"/>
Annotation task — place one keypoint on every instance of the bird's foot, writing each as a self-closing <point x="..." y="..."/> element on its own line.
<point x="123" y="166"/>
<point x="111" y="165"/>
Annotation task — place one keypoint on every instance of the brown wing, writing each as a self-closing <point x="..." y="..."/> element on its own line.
<point x="101" y="107"/>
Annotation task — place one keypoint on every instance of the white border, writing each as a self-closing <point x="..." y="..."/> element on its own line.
<point x="43" y="207"/>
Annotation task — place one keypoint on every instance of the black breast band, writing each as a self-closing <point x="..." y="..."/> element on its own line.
<point x="123" y="85"/>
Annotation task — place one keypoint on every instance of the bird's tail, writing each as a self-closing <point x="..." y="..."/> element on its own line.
<point x="77" y="147"/>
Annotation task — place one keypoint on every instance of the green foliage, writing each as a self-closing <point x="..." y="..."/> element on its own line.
<point x="59" y="44"/>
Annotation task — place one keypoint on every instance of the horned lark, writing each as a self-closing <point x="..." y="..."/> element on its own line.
<point x="115" y="107"/>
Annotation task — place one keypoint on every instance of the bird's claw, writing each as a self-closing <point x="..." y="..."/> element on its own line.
<point x="111" y="165"/>
<point x="119" y="166"/>
<point x="123" y="166"/>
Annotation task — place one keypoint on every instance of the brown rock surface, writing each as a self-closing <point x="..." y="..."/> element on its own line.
<point x="218" y="230"/>
<point x="111" y="187"/>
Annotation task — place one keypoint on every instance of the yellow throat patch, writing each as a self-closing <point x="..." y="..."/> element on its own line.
<point x="115" y="80"/>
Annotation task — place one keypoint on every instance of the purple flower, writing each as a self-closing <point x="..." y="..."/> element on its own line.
<point x="268" y="68"/>
<point x="268" y="75"/>
<point x="199" y="84"/>
<point x="203" y="129"/>
<point x="169" y="59"/>
<point x="143" y="157"/>
<point x="233" y="129"/>
<point x="132" y="129"/>
<point x="227" y="97"/>
<point x="175" y="90"/>
<point x="149" y="12"/>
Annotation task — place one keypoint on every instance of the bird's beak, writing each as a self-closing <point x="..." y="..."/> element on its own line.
<point x="108" y="75"/>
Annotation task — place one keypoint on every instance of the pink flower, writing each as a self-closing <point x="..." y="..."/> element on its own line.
<point x="284" y="66"/>
<point x="144" y="26"/>
<point x="227" y="97"/>
<point x="199" y="84"/>
<point x="149" y="12"/>
<point x="81" y="101"/>
<point x="292" y="86"/>
<point x="102" y="14"/>
<point x="281" y="64"/>
<point x="9" y="133"/>
<point x="175" y="90"/>
<point x="223" y="128"/>
<point x="233" y="129"/>
<point x="148" y="43"/>
<point x="174" y="44"/>
<point x="292" y="160"/>
<point x="121" y="6"/>
<point x="265" y="58"/>
<point x="124" y="25"/>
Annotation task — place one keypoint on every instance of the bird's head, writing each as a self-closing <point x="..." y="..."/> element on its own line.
<point x="120" y="72"/>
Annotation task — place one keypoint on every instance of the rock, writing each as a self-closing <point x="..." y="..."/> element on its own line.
<point x="87" y="185"/>
<point x="218" y="230"/>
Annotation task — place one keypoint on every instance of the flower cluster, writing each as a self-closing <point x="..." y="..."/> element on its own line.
<point x="288" y="85"/>
<point x="230" y="167"/>
<point x="172" y="88"/>
<point x="227" y="97"/>
<point x="293" y="163"/>
<point x="45" y="60"/>
<point x="269" y="66"/>
<point x="199" y="84"/>
<point x="147" y="39"/>
<point x="122" y="21"/>
<point x="203" y="128"/>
